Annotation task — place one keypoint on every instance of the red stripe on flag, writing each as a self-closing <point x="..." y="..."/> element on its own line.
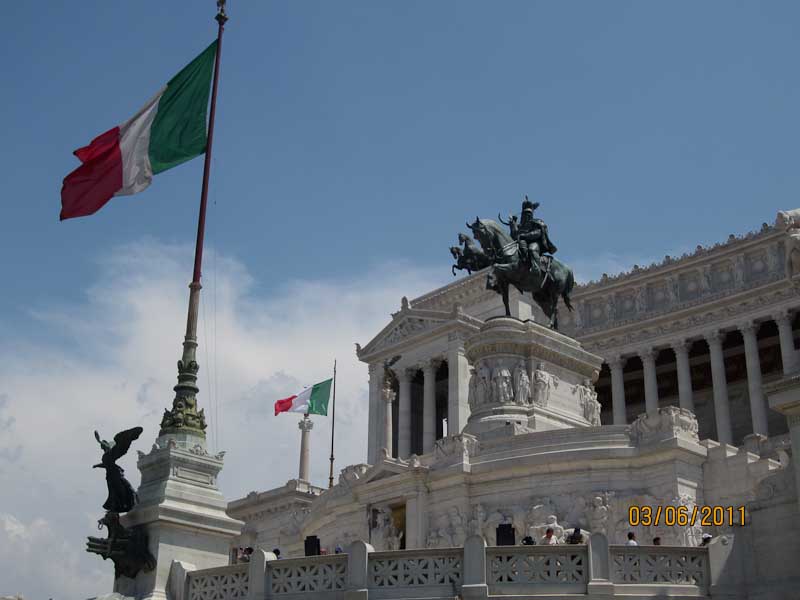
<point x="284" y="405"/>
<point x="91" y="185"/>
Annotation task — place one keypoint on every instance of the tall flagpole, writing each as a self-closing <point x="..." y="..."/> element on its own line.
<point x="333" y="424"/>
<point x="184" y="418"/>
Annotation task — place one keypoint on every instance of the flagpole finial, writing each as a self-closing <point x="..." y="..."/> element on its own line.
<point x="221" y="14"/>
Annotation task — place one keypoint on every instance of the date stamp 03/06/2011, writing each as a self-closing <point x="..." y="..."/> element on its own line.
<point x="682" y="516"/>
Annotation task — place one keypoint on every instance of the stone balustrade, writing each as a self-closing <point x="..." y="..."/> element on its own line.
<point x="592" y="570"/>
<point x="683" y="570"/>
<point x="228" y="583"/>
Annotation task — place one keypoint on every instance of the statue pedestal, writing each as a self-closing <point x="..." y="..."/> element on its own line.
<point x="531" y="377"/>
<point x="182" y="511"/>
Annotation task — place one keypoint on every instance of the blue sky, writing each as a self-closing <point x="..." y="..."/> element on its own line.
<point x="354" y="132"/>
<point x="353" y="141"/>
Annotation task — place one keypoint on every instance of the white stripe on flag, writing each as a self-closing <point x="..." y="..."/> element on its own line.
<point x="300" y="403"/>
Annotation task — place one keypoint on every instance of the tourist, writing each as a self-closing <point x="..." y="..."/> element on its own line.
<point x="706" y="539"/>
<point x="576" y="537"/>
<point x="631" y="539"/>
<point x="246" y="554"/>
<point x="277" y="553"/>
<point x="528" y="541"/>
<point x="338" y="549"/>
<point x="549" y="539"/>
<point x="656" y="541"/>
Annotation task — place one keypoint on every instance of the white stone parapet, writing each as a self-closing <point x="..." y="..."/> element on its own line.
<point x="473" y="571"/>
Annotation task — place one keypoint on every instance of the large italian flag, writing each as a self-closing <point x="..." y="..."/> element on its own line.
<point x="312" y="400"/>
<point x="169" y="130"/>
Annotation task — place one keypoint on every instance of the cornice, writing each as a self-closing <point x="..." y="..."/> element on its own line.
<point x="702" y="254"/>
<point x="686" y="322"/>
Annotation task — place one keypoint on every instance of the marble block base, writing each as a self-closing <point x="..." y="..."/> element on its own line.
<point x="528" y="375"/>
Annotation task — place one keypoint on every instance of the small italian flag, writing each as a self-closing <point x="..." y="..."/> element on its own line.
<point x="312" y="400"/>
<point x="169" y="130"/>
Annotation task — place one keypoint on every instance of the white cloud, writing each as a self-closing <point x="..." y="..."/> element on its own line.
<point x="111" y="365"/>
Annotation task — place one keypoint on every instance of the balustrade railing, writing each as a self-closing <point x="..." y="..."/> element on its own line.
<point x="433" y="569"/>
<point x="518" y="569"/>
<point x="220" y="583"/>
<point x="318" y="575"/>
<point x="648" y="565"/>
<point x="521" y="571"/>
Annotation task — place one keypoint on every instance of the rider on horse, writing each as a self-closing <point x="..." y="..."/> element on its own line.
<point x="532" y="235"/>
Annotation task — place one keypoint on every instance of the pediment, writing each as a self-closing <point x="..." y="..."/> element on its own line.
<point x="390" y="467"/>
<point x="405" y="325"/>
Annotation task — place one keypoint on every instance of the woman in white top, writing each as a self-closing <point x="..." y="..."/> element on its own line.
<point x="549" y="539"/>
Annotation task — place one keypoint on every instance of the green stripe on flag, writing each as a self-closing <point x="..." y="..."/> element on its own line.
<point x="320" y="395"/>
<point x="178" y="133"/>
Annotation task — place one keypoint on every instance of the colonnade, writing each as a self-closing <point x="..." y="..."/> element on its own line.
<point x="714" y="339"/>
<point x="382" y="427"/>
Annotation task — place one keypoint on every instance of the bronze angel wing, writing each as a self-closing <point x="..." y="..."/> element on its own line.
<point x="123" y="440"/>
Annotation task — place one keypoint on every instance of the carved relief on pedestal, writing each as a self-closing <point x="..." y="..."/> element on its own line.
<point x="587" y="401"/>
<point x="522" y="384"/>
<point x="499" y="381"/>
<point x="543" y="382"/>
<point x="502" y="390"/>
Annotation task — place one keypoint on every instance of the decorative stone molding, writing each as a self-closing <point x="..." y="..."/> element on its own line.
<point x="789" y="221"/>
<point x="670" y="422"/>
<point x="351" y="474"/>
<point x="782" y="316"/>
<point x="387" y="391"/>
<point x="714" y="337"/>
<point x="460" y="446"/>
<point x="700" y="252"/>
<point x="616" y="361"/>
<point x="632" y="334"/>
<point x="680" y="346"/>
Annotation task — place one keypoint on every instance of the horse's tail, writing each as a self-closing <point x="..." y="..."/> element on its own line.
<point x="568" y="285"/>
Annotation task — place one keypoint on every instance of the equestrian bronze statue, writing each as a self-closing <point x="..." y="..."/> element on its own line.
<point x="522" y="257"/>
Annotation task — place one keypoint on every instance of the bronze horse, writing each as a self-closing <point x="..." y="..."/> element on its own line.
<point x="546" y="285"/>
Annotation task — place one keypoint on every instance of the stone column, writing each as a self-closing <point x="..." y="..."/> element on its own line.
<point x="457" y="386"/>
<point x="720" y="384"/>
<point x="416" y="520"/>
<point x="648" y="357"/>
<point x="375" y="406"/>
<point x="388" y="395"/>
<point x="758" y="407"/>
<point x="429" y="406"/>
<point x="305" y="425"/>
<point x="615" y="364"/>
<point x="685" y="397"/>
<point x="404" y="414"/>
<point x="791" y="364"/>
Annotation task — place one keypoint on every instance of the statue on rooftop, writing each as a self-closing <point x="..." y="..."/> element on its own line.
<point x="522" y="258"/>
